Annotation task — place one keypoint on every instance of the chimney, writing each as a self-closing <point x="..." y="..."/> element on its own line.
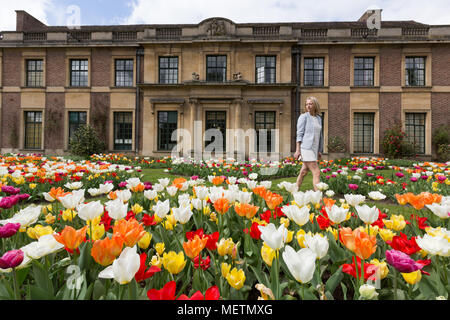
<point x="26" y="22"/>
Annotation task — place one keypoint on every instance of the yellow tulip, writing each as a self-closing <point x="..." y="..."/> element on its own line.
<point x="285" y="221"/>
<point x="236" y="278"/>
<point x="267" y="253"/>
<point x="160" y="247"/>
<point x="68" y="215"/>
<point x="156" y="261"/>
<point x="386" y="234"/>
<point x="37" y="231"/>
<point x="144" y="242"/>
<point x="32" y="185"/>
<point x="225" y="246"/>
<point x="265" y="292"/>
<point x="397" y="222"/>
<point x="157" y="219"/>
<point x="137" y="208"/>
<point x="98" y="231"/>
<point x="382" y="267"/>
<point x="173" y="262"/>
<point x="412" y="277"/>
<point x="50" y="219"/>
<point x="334" y="232"/>
<point x="225" y="269"/>
<point x="301" y="237"/>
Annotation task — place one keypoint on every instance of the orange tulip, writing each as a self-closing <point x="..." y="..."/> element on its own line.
<point x="56" y="193"/>
<point x="70" y="237"/>
<point x="328" y="202"/>
<point x="130" y="231"/>
<point x="222" y="205"/>
<point x="105" y="251"/>
<point x="194" y="246"/>
<point x="178" y="182"/>
<point x="246" y="210"/>
<point x="401" y="199"/>
<point x="112" y="195"/>
<point x="358" y="242"/>
<point x="217" y="180"/>
<point x="139" y="188"/>
<point x="273" y="200"/>
<point x="260" y="191"/>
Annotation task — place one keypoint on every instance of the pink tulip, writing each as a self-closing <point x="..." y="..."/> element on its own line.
<point x="11" y="259"/>
<point x="9" y="229"/>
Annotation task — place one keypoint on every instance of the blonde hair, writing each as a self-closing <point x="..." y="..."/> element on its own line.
<point x="315" y="102"/>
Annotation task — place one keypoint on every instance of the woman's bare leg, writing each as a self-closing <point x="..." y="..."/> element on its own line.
<point x="303" y="172"/>
<point x="314" y="167"/>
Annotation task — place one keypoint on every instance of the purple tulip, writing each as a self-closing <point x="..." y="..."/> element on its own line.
<point x="353" y="186"/>
<point x="6" y="203"/>
<point x="10" y="190"/>
<point x="424" y="177"/>
<point x="327" y="177"/>
<point x="369" y="174"/>
<point x="333" y="175"/>
<point x="399" y="174"/>
<point x="194" y="178"/>
<point x="123" y="184"/>
<point x="401" y="261"/>
<point x="11" y="259"/>
<point x="413" y="179"/>
<point x="9" y="229"/>
<point x="441" y="178"/>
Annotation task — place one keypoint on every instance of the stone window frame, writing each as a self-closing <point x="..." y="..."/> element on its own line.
<point x="66" y="122"/>
<point x="23" y="128"/>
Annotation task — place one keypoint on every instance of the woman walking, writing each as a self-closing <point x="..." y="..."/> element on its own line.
<point x="309" y="141"/>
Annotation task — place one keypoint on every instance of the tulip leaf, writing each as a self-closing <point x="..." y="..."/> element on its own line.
<point x="99" y="290"/>
<point x="22" y="275"/>
<point x="334" y="280"/>
<point x="344" y="290"/>
<point x="132" y="290"/>
<point x="6" y="292"/>
<point x="85" y="258"/>
<point x="38" y="293"/>
<point x="42" y="278"/>
<point x="428" y="288"/>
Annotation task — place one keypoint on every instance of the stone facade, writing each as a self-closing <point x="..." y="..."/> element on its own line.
<point x="238" y="97"/>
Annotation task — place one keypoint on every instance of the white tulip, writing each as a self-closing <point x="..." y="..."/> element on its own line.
<point x="26" y="217"/>
<point x="124" y="268"/>
<point x="172" y="190"/>
<point x="354" y="199"/>
<point x="336" y="214"/>
<point x="161" y="209"/>
<point x="164" y="182"/>
<point x="314" y="196"/>
<point x="301" y="264"/>
<point x="201" y="192"/>
<point x="45" y="245"/>
<point x="150" y="194"/>
<point x="72" y="200"/>
<point x="376" y="195"/>
<point x="116" y="209"/>
<point x="367" y="214"/>
<point x="182" y="214"/>
<point x="244" y="197"/>
<point x="123" y="195"/>
<point x="91" y="210"/>
<point x="437" y="245"/>
<point x="442" y="211"/>
<point x="300" y="198"/>
<point x="158" y="187"/>
<point x="318" y="244"/>
<point x="299" y="215"/>
<point x="132" y="182"/>
<point x="273" y="237"/>
<point x="105" y="188"/>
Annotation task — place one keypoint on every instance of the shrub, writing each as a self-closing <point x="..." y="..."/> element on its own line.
<point x="395" y="143"/>
<point x="86" y="142"/>
<point x="441" y="141"/>
<point x="336" y="144"/>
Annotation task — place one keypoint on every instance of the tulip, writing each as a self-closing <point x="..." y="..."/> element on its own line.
<point x="336" y="214"/>
<point x="267" y="253"/>
<point x="131" y="231"/>
<point x="90" y="211"/>
<point x="160" y="247"/>
<point x="182" y="214"/>
<point x="434" y="245"/>
<point x="376" y="195"/>
<point x="166" y="293"/>
<point x="11" y="259"/>
<point x="440" y="210"/>
<point x="359" y="242"/>
<point x="246" y="210"/>
<point x="194" y="246"/>
<point x="150" y="194"/>
<point x="123" y="195"/>
<point x="318" y="244"/>
<point x="72" y="200"/>
<point x="354" y="199"/>
<point x="367" y="214"/>
<point x="25" y="217"/>
<point x="105" y="251"/>
<point x="412" y="277"/>
<point x="201" y="192"/>
<point x="368" y="292"/>
<point x="386" y="234"/>
<point x="222" y="205"/>
<point x="273" y="200"/>
<point x="38" y="231"/>
<point x="45" y="245"/>
<point x="9" y="229"/>
<point x="225" y="269"/>
<point x="144" y="242"/>
<point x="301" y="264"/>
<point x="397" y="222"/>
<point x="116" y="209"/>
<point x="124" y="268"/>
<point x="275" y="238"/>
<point x="401" y="261"/>
<point x="70" y="237"/>
<point x="382" y="268"/>
<point x="174" y="263"/>
<point x="236" y="278"/>
<point x="402" y="243"/>
<point x="299" y="215"/>
<point x="162" y="208"/>
<point x="143" y="274"/>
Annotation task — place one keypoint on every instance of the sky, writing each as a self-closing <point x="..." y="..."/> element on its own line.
<point x="115" y="12"/>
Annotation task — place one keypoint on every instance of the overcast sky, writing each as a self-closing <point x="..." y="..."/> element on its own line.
<point x="113" y="12"/>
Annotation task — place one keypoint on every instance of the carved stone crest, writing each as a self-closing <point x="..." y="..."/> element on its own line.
<point x="216" y="28"/>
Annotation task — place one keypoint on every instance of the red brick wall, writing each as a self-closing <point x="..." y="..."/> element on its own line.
<point x="390" y="66"/>
<point x="440" y="65"/>
<point x="56" y="67"/>
<point x="12" y="67"/>
<point x="26" y="22"/>
<point x="339" y="65"/>
<point x="10" y="126"/>
<point x="99" y="115"/>
<point x="440" y="109"/>
<point x="54" y="121"/>
<point x="100" y="67"/>
<point x="339" y="116"/>
<point x="389" y="113"/>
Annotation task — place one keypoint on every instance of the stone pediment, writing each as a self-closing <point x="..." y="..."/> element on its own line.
<point x="217" y="27"/>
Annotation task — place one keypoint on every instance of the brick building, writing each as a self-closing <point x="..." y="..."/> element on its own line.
<point x="136" y="84"/>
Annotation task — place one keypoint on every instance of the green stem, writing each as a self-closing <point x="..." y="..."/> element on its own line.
<point x="395" y="284"/>
<point x="16" y="286"/>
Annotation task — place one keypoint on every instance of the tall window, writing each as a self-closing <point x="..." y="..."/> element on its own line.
<point x="168" y="69"/>
<point x="79" y="73"/>
<point x="123" y="130"/>
<point x="167" y="124"/>
<point x="216" y="120"/>
<point x="76" y="119"/>
<point x="264" y="123"/>
<point x="216" y="68"/>
<point x="34" y="69"/>
<point x="265" y="69"/>
<point x="415" y="130"/>
<point x="415" y="71"/>
<point x="124" y="72"/>
<point x="363" y="126"/>
<point x="313" y="72"/>
<point x="363" y="71"/>
<point x="33" y="130"/>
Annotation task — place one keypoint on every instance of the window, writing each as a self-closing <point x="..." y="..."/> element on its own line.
<point x="33" y="130"/>
<point x="216" y="120"/>
<point x="79" y="73"/>
<point x="313" y="71"/>
<point x="415" y="130"/>
<point x="123" y="130"/>
<point x="363" y="126"/>
<point x="76" y="119"/>
<point x="34" y="77"/>
<point x="168" y="69"/>
<point x="363" y="71"/>
<point x="265" y="69"/>
<point x="167" y="124"/>
<point x="216" y="68"/>
<point x="415" y="71"/>
<point x="264" y="123"/>
<point x="124" y="73"/>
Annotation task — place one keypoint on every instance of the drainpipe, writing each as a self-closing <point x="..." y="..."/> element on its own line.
<point x="139" y="54"/>
<point x="296" y="50"/>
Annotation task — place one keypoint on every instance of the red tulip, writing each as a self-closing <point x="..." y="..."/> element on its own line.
<point x="166" y="293"/>
<point x="402" y="244"/>
<point x="211" y="294"/>
<point x="369" y="269"/>
<point x="143" y="274"/>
